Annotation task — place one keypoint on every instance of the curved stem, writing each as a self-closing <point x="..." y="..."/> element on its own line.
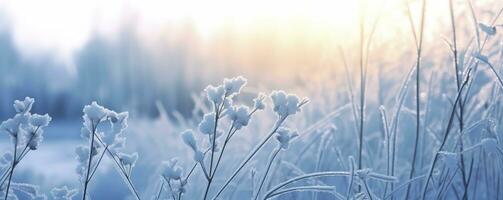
<point x="267" y="171"/>
<point x="328" y="189"/>
<point x="306" y="176"/>
<point x="251" y="155"/>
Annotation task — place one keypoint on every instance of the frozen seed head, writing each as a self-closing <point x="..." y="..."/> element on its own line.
<point x="128" y="159"/>
<point x="234" y="85"/>
<point x="23" y="106"/>
<point x="94" y="112"/>
<point x="63" y="193"/>
<point x="40" y="120"/>
<point x="36" y="138"/>
<point x="207" y="125"/>
<point x="189" y="139"/>
<point x="171" y="169"/>
<point x="286" y="104"/>
<point x="258" y="102"/>
<point x="14" y="125"/>
<point x="284" y="136"/>
<point x="215" y="94"/>
<point x="240" y="115"/>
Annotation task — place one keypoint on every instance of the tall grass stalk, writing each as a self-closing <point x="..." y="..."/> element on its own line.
<point x="446" y="134"/>
<point x="363" y="76"/>
<point x="454" y="51"/>
<point x="419" y="45"/>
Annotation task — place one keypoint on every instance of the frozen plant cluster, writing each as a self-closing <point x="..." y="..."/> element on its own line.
<point x="216" y="131"/>
<point x="26" y="133"/>
<point x="103" y="130"/>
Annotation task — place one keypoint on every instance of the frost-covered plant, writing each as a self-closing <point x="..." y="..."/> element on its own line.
<point x="172" y="175"/>
<point x="209" y="157"/>
<point x="110" y="142"/>
<point x="26" y="133"/>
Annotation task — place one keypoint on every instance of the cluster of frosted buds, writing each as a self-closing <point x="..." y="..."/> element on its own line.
<point x="113" y="139"/>
<point x="229" y="88"/>
<point x="221" y="98"/>
<point x="207" y="125"/>
<point x="25" y="128"/>
<point x="190" y="140"/>
<point x="286" y="104"/>
<point x="284" y="136"/>
<point x="171" y="170"/>
<point x="240" y="115"/>
<point x="128" y="160"/>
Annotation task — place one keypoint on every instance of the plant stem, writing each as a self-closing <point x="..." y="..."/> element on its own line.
<point x="123" y="172"/>
<point x="251" y="155"/>
<point x="446" y="134"/>
<point x="86" y="181"/>
<point x="362" y="89"/>
<point x="274" y="154"/>
<point x="14" y="162"/>
<point x="418" y="99"/>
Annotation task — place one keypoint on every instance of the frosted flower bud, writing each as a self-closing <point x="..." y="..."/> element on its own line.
<point x="279" y="102"/>
<point x="13" y="125"/>
<point x="63" y="193"/>
<point x="215" y="94"/>
<point x="285" y="104"/>
<point x="128" y="159"/>
<point x="292" y="104"/>
<point x="189" y="139"/>
<point x="233" y="86"/>
<point x="207" y="125"/>
<point x="23" y="106"/>
<point x="489" y="30"/>
<point x="36" y="139"/>
<point x="258" y="102"/>
<point x="10" y="126"/>
<point x="171" y="169"/>
<point x="94" y="112"/>
<point x="40" y="120"/>
<point x="239" y="115"/>
<point x="284" y="136"/>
